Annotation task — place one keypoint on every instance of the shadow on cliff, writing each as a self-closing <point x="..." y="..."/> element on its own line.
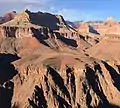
<point x="44" y="19"/>
<point x="45" y="39"/>
<point x="62" y="103"/>
<point x="108" y="106"/>
<point x="6" y="94"/>
<point x="92" y="30"/>
<point x="114" y="75"/>
<point x="7" y="72"/>
<point x="70" y="42"/>
<point x="38" y="99"/>
<point x="113" y="106"/>
<point x="58" y="81"/>
<point x="93" y="82"/>
<point x="40" y="37"/>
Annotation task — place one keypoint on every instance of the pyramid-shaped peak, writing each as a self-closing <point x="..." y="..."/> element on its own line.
<point x="24" y="13"/>
<point x="26" y="10"/>
<point x="23" y="17"/>
<point x="110" y="19"/>
<point x="20" y="19"/>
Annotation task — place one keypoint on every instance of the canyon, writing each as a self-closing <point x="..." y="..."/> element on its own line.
<point x="47" y="63"/>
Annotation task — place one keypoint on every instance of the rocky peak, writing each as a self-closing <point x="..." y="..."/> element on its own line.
<point x="20" y="19"/>
<point x="110" y="19"/>
<point x="23" y="16"/>
<point x="61" y="20"/>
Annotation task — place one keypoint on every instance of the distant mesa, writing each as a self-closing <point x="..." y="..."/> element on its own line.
<point x="109" y="26"/>
<point x="87" y="27"/>
<point x="7" y="17"/>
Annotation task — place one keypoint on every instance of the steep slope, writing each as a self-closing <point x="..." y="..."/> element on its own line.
<point x="63" y="80"/>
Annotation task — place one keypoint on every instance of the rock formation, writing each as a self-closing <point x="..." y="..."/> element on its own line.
<point x="110" y="26"/>
<point x="28" y="24"/>
<point x="44" y="64"/>
<point x="64" y="81"/>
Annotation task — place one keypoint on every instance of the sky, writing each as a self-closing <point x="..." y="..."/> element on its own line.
<point x="72" y="10"/>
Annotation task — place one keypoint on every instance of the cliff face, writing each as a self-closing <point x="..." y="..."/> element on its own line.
<point x="17" y="32"/>
<point x="60" y="85"/>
